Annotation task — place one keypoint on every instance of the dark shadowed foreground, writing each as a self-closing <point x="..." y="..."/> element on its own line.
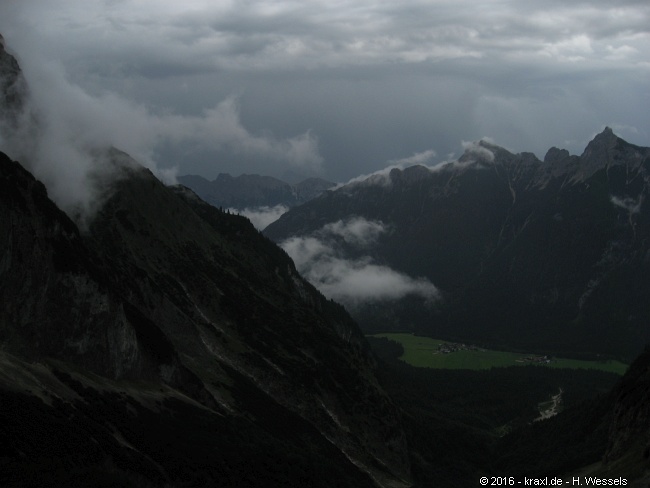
<point x="175" y="343"/>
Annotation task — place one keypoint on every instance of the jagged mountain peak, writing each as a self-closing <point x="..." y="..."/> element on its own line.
<point x="607" y="134"/>
<point x="487" y="153"/>
<point x="480" y="151"/>
<point x="600" y="144"/>
<point x="555" y="154"/>
<point x="606" y="150"/>
<point x="409" y="174"/>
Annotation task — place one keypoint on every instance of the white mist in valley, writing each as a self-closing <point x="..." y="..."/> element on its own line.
<point x="321" y="258"/>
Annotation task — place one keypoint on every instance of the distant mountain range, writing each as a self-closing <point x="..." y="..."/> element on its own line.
<point x="249" y="191"/>
<point x="549" y="255"/>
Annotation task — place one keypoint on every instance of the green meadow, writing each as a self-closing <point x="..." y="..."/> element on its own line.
<point x="424" y="352"/>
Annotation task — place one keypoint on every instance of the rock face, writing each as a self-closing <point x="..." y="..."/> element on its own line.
<point x="549" y="256"/>
<point x="12" y="86"/>
<point x="172" y="334"/>
<point x="51" y="284"/>
<point x="629" y="448"/>
<point x="626" y="415"/>
<point x="248" y="191"/>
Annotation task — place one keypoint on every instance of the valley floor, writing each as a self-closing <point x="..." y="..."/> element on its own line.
<point x="434" y="353"/>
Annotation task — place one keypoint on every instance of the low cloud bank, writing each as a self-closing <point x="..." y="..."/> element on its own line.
<point x="631" y="205"/>
<point x="321" y="259"/>
<point x="356" y="231"/>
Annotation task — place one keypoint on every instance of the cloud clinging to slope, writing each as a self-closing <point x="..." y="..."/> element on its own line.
<point x="63" y="127"/>
<point x="324" y="258"/>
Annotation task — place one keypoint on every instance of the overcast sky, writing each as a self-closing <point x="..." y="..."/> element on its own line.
<point x="335" y="88"/>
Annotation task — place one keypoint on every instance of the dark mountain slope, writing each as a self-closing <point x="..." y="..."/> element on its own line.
<point x="548" y="256"/>
<point x="173" y="344"/>
<point x="608" y="435"/>
<point x="237" y="285"/>
<point x="628" y="451"/>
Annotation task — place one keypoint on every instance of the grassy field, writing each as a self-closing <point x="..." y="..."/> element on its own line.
<point x="424" y="352"/>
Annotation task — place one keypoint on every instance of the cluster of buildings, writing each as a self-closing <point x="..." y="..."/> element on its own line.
<point x="534" y="359"/>
<point x="448" y="347"/>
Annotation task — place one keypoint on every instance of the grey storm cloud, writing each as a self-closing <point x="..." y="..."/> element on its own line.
<point x="320" y="257"/>
<point x="342" y="88"/>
